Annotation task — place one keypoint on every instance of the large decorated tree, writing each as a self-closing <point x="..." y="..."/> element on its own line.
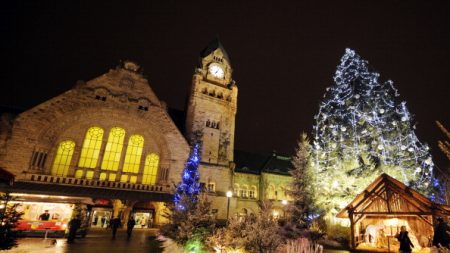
<point x="361" y="131"/>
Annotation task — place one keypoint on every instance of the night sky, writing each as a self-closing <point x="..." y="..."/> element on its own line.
<point x="283" y="53"/>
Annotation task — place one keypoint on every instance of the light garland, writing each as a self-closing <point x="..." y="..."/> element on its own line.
<point x="361" y="131"/>
<point x="189" y="186"/>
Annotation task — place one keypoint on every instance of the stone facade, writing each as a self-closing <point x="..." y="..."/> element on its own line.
<point x="123" y="98"/>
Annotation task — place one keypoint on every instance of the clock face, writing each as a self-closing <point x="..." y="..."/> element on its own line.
<point x="216" y="70"/>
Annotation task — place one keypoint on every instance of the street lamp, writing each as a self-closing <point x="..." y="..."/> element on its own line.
<point x="284" y="203"/>
<point x="229" y="195"/>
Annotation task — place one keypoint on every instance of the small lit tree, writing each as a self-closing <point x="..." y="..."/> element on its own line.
<point x="9" y="216"/>
<point x="190" y="218"/>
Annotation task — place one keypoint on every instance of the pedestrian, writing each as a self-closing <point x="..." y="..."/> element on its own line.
<point x="74" y="225"/>
<point x="405" y="242"/>
<point x="44" y="216"/>
<point x="441" y="238"/>
<point x="115" y="224"/>
<point x="130" y="226"/>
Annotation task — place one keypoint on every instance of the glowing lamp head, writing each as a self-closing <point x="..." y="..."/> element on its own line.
<point x="284" y="202"/>
<point x="229" y="194"/>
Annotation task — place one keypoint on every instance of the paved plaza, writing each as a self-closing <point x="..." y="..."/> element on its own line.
<point x="97" y="241"/>
<point x="100" y="241"/>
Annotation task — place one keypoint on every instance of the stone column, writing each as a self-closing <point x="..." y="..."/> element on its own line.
<point x="117" y="207"/>
<point x="127" y="209"/>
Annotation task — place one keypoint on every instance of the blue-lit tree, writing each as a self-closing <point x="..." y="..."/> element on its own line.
<point x="189" y="187"/>
<point x="190" y="219"/>
<point x="361" y="131"/>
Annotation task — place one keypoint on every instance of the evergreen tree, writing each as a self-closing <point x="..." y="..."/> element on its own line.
<point x="190" y="218"/>
<point x="189" y="188"/>
<point x="361" y="131"/>
<point x="9" y="216"/>
<point x="300" y="211"/>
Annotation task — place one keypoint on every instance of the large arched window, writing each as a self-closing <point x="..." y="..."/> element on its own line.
<point x="150" y="169"/>
<point x="91" y="148"/>
<point x="113" y="150"/>
<point x="133" y="154"/>
<point x="63" y="158"/>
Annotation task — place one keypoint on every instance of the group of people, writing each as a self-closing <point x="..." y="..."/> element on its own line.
<point x="441" y="237"/>
<point x="115" y="223"/>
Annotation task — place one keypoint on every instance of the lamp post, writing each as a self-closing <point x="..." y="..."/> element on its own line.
<point x="229" y="195"/>
<point x="284" y="203"/>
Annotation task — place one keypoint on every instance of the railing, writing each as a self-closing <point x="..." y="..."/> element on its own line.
<point x="95" y="183"/>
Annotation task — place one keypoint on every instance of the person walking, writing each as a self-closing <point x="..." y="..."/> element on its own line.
<point x="405" y="243"/>
<point x="441" y="238"/>
<point x="74" y="225"/>
<point x="130" y="225"/>
<point x="115" y="224"/>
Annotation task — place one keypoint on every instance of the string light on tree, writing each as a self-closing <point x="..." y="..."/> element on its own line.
<point x="189" y="186"/>
<point x="361" y="131"/>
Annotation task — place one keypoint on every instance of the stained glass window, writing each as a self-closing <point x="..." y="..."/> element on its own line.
<point x="123" y="178"/>
<point x="63" y="158"/>
<point x="150" y="169"/>
<point x="133" y="154"/>
<point x="89" y="174"/>
<point x="113" y="150"/>
<point x="79" y="173"/>
<point x="91" y="148"/>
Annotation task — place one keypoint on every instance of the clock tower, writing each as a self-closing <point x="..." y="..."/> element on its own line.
<point x="212" y="106"/>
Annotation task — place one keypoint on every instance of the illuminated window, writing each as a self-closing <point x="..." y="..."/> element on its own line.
<point x="150" y="169"/>
<point x="113" y="150"/>
<point x="236" y="190"/>
<point x="211" y="187"/>
<point x="133" y="154"/>
<point x="63" y="158"/>
<point x="91" y="148"/>
<point x="89" y="174"/>
<point x="102" y="176"/>
<point x="79" y="173"/>
<point x="123" y="178"/>
<point x="112" y="177"/>
<point x="133" y="179"/>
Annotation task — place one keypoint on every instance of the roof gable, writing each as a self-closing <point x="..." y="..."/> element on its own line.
<point x="387" y="195"/>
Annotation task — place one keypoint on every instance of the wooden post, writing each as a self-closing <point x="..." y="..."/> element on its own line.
<point x="352" y="228"/>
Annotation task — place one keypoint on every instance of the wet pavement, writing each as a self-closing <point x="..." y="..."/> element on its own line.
<point x="97" y="241"/>
<point x="100" y="241"/>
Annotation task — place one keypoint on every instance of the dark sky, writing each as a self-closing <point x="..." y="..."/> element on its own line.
<point x="284" y="54"/>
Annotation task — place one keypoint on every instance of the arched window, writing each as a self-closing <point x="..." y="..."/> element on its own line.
<point x="113" y="150"/>
<point x="63" y="158"/>
<point x="243" y="191"/>
<point x="270" y="192"/>
<point x="236" y="190"/>
<point x="150" y="169"/>
<point x="252" y="192"/>
<point x="91" y="148"/>
<point x="133" y="154"/>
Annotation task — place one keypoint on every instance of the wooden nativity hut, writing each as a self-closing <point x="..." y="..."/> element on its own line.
<point x="377" y="214"/>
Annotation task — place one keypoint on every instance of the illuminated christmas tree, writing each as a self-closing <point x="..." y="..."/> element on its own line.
<point x="361" y="131"/>
<point x="189" y="187"/>
<point x="190" y="219"/>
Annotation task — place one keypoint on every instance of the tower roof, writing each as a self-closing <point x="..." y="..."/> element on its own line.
<point x="213" y="46"/>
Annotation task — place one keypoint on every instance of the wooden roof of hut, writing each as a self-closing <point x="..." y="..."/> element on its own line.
<point x="387" y="198"/>
<point x="387" y="195"/>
